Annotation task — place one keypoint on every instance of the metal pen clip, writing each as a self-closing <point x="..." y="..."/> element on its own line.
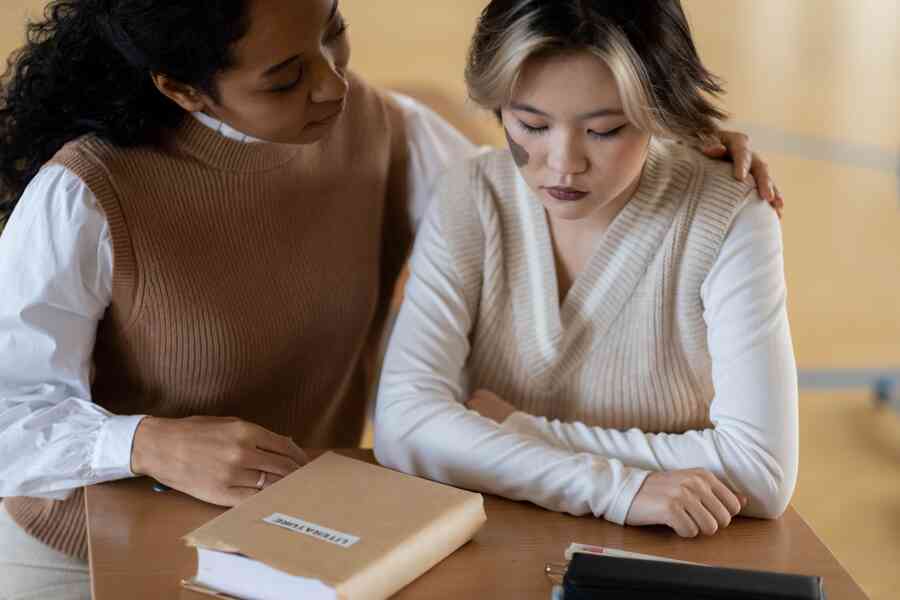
<point x="556" y="571"/>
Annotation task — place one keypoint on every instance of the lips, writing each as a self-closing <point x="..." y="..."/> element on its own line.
<point x="566" y="194"/>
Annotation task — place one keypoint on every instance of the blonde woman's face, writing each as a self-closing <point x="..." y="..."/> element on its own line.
<point x="567" y="131"/>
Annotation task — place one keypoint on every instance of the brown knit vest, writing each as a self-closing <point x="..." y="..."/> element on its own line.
<point x="249" y="280"/>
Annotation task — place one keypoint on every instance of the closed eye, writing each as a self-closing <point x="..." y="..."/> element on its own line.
<point x="532" y="130"/>
<point x="288" y="86"/>
<point x="607" y="134"/>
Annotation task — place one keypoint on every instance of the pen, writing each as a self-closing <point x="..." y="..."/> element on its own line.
<point x="555" y="573"/>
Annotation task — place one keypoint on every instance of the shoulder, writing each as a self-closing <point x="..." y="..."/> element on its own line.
<point x="709" y="182"/>
<point x="755" y="220"/>
<point x="95" y="159"/>
<point x="479" y="182"/>
<point x="90" y="159"/>
<point x="489" y="170"/>
<point x="88" y="152"/>
<point x="473" y="195"/>
<point x="369" y="103"/>
<point x="426" y="126"/>
<point x="56" y="195"/>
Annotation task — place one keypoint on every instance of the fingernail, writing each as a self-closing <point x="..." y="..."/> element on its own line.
<point x="772" y="191"/>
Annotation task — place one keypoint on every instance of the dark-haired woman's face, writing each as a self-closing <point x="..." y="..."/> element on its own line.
<point x="289" y="82"/>
<point x="568" y="133"/>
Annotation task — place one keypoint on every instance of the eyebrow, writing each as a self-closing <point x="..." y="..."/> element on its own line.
<point x="285" y="63"/>
<point x="603" y="112"/>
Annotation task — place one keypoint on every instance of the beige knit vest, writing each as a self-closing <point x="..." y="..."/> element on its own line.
<point x="627" y="347"/>
<point x="248" y="281"/>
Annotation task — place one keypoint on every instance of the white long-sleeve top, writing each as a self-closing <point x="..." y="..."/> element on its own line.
<point x="55" y="284"/>
<point x="423" y="427"/>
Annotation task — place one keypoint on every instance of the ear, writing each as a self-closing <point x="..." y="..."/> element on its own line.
<point x="183" y="95"/>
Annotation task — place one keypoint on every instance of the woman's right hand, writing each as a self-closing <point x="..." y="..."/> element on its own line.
<point x="215" y="459"/>
<point x="690" y="501"/>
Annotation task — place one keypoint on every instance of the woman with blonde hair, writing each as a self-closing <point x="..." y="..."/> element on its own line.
<point x="595" y="319"/>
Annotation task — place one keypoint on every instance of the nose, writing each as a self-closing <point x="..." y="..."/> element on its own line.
<point x="330" y="83"/>
<point x="566" y="156"/>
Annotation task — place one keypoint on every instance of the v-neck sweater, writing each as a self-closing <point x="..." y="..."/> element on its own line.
<point x="671" y="349"/>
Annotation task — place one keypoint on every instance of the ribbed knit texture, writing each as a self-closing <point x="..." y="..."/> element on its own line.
<point x="248" y="281"/>
<point x="627" y="347"/>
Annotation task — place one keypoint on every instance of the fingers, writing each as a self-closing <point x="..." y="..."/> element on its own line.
<point x="779" y="202"/>
<point x="709" y="503"/>
<point x="702" y="517"/>
<point x="683" y="524"/>
<point x="256" y="479"/>
<point x="738" y="145"/>
<point x="748" y="162"/>
<point x="269" y="462"/>
<point x="717" y="150"/>
<point x="279" y="444"/>
<point x="728" y="499"/>
<point x="717" y="511"/>
<point x="765" y="185"/>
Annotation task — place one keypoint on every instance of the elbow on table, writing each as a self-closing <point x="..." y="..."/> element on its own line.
<point x="771" y="496"/>
<point x="770" y="506"/>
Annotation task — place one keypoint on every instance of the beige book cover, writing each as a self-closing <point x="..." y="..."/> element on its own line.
<point x="360" y="530"/>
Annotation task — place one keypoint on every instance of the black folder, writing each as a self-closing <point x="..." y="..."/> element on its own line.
<point x="592" y="577"/>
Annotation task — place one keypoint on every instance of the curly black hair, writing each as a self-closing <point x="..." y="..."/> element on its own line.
<point x="86" y="69"/>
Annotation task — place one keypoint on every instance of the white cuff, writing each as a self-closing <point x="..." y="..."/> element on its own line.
<point x="112" y="456"/>
<point x="621" y="504"/>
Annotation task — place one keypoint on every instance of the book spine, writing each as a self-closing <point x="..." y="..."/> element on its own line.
<point x="416" y="555"/>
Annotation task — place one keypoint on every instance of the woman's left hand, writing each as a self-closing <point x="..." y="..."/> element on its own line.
<point x="490" y="405"/>
<point x="737" y="146"/>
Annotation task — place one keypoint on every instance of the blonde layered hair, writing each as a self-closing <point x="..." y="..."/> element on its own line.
<point x="647" y="45"/>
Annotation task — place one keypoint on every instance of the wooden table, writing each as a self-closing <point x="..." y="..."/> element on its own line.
<point x="136" y="551"/>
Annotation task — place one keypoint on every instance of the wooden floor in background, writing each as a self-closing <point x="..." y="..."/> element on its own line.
<point x="849" y="488"/>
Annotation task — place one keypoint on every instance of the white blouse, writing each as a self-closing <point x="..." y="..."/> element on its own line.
<point x="55" y="285"/>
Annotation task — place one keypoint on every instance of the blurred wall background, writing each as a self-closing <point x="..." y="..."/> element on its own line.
<point x="817" y="85"/>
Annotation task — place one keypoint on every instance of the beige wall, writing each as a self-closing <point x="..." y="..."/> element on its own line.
<point x="818" y="73"/>
<point x="12" y="18"/>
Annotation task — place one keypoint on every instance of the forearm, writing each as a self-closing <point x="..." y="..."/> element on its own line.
<point x="744" y="458"/>
<point x="419" y="432"/>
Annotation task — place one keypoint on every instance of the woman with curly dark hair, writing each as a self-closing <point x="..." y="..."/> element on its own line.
<point x="208" y="212"/>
